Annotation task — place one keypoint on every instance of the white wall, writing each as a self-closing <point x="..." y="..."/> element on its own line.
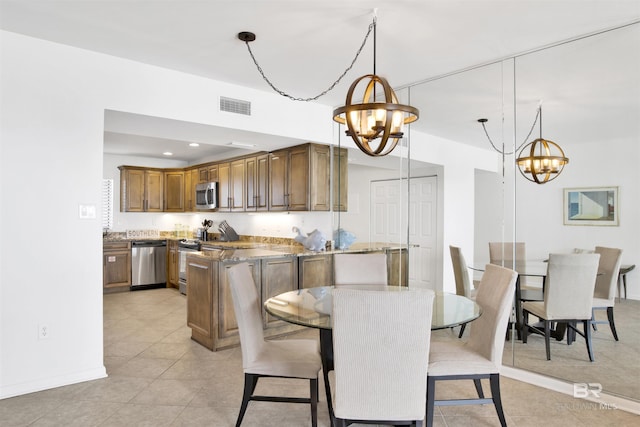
<point x="53" y="102"/>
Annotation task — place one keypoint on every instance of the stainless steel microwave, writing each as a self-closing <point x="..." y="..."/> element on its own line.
<point x="207" y="195"/>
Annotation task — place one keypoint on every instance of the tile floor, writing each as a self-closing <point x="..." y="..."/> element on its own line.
<point x="158" y="376"/>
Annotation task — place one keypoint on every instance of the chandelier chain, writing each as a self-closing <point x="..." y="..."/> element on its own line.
<point x="283" y="93"/>
<point x="523" y="142"/>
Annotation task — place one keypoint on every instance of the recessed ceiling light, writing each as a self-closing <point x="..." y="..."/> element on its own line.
<point x="167" y="153"/>
<point x="194" y="144"/>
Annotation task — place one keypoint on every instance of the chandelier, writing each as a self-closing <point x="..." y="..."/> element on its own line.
<point x="376" y="126"/>
<point x="539" y="161"/>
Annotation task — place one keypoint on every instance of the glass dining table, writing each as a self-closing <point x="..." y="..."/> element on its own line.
<point x="311" y="307"/>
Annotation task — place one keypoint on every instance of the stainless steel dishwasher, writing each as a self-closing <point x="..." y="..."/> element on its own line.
<point x="148" y="264"/>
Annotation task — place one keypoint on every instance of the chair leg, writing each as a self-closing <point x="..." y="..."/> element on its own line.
<point x="313" y="397"/>
<point x="464" y="325"/>
<point x="547" y="337"/>
<point x="494" y="380"/>
<point x="593" y="319"/>
<point x="431" y="399"/>
<point x="525" y="326"/>
<point x="587" y="338"/>
<point x="478" y="383"/>
<point x="250" y="382"/>
<point x="612" y="324"/>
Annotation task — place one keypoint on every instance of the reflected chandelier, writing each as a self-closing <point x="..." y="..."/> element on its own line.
<point x="540" y="160"/>
<point x="367" y="121"/>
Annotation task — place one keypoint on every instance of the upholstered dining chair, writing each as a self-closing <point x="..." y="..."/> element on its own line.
<point x="481" y="355"/>
<point x="284" y="359"/>
<point x="604" y="294"/>
<point x="461" y="275"/>
<point x="358" y="269"/>
<point x="380" y="353"/>
<point x="568" y="296"/>
<point x="502" y="253"/>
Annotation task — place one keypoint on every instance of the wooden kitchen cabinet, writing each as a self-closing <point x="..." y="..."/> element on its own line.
<point x="141" y="189"/>
<point x="299" y="178"/>
<point x="202" y="300"/>
<point x="256" y="183"/>
<point x="340" y="179"/>
<point x="173" y="266"/>
<point x="231" y="188"/>
<point x="191" y="177"/>
<point x="174" y="194"/>
<point x="116" y="266"/>
<point x="208" y="173"/>
<point x="279" y="275"/>
<point x="315" y="270"/>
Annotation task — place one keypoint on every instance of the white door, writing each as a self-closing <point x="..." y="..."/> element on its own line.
<point x="388" y="223"/>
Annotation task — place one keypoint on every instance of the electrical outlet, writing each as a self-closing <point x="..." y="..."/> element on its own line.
<point x="43" y="331"/>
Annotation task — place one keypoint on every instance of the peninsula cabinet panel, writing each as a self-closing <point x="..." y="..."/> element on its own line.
<point x="227" y="323"/>
<point x="202" y="300"/>
<point x="256" y="183"/>
<point x="174" y="194"/>
<point x="315" y="270"/>
<point x="278" y="275"/>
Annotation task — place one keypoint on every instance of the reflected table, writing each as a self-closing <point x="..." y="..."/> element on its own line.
<point x="311" y="307"/>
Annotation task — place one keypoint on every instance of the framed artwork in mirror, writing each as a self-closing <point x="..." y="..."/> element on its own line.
<point x="591" y="206"/>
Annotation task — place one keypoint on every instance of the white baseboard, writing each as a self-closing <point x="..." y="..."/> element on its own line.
<point x="47" y="383"/>
<point x="605" y="399"/>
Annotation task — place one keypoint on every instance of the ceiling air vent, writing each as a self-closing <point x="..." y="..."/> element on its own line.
<point x="237" y="106"/>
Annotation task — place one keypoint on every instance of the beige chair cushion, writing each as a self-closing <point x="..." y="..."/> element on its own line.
<point x="358" y="269"/>
<point x="284" y="358"/>
<point x="381" y="352"/>
<point x="482" y="353"/>
<point x="460" y="273"/>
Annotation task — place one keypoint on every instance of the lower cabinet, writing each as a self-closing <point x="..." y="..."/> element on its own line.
<point x="210" y="313"/>
<point x="116" y="266"/>
<point x="315" y="270"/>
<point x="173" y="273"/>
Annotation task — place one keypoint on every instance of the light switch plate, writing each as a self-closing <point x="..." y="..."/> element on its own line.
<point x="87" y="211"/>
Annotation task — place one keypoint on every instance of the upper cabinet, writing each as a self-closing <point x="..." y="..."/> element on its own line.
<point x="292" y="179"/>
<point x="174" y="195"/>
<point x="141" y="189"/>
<point x="299" y="178"/>
<point x="340" y="176"/>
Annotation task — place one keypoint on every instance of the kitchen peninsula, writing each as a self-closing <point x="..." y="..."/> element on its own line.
<point x="276" y="269"/>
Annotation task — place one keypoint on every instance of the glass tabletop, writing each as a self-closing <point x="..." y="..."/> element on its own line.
<point x="312" y="307"/>
<point x="533" y="268"/>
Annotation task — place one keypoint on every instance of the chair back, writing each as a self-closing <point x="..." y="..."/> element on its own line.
<point x="360" y="269"/>
<point x="381" y="353"/>
<point x="500" y="252"/>
<point x="246" y="305"/>
<point x="495" y="296"/>
<point x="460" y="272"/>
<point x="568" y="292"/>
<point x="609" y="267"/>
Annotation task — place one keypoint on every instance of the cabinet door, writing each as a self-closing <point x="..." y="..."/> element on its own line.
<point x="227" y="324"/>
<point x="174" y="191"/>
<point x="190" y="181"/>
<point x="154" y="190"/>
<point x="340" y="179"/>
<point x="256" y="183"/>
<point x="315" y="270"/>
<point x="132" y="190"/>
<point x="212" y="173"/>
<point x="298" y="179"/>
<point x="224" y="194"/>
<point x="319" y="177"/>
<point x="116" y="269"/>
<point x="278" y="275"/>
<point x="278" y="167"/>
<point x="172" y="263"/>
<point x="236" y="186"/>
<point x="201" y="299"/>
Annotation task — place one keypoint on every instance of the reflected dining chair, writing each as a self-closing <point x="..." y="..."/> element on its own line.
<point x="481" y="356"/>
<point x="604" y="294"/>
<point x="299" y="358"/>
<point x="568" y="298"/>
<point x="358" y="269"/>
<point x="461" y="275"/>
<point x="502" y="253"/>
<point x="380" y="352"/>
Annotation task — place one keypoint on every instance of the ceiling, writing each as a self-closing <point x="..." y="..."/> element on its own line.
<point x="303" y="47"/>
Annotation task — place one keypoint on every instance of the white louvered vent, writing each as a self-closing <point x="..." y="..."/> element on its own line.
<point x="235" y="106"/>
<point x="107" y="204"/>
